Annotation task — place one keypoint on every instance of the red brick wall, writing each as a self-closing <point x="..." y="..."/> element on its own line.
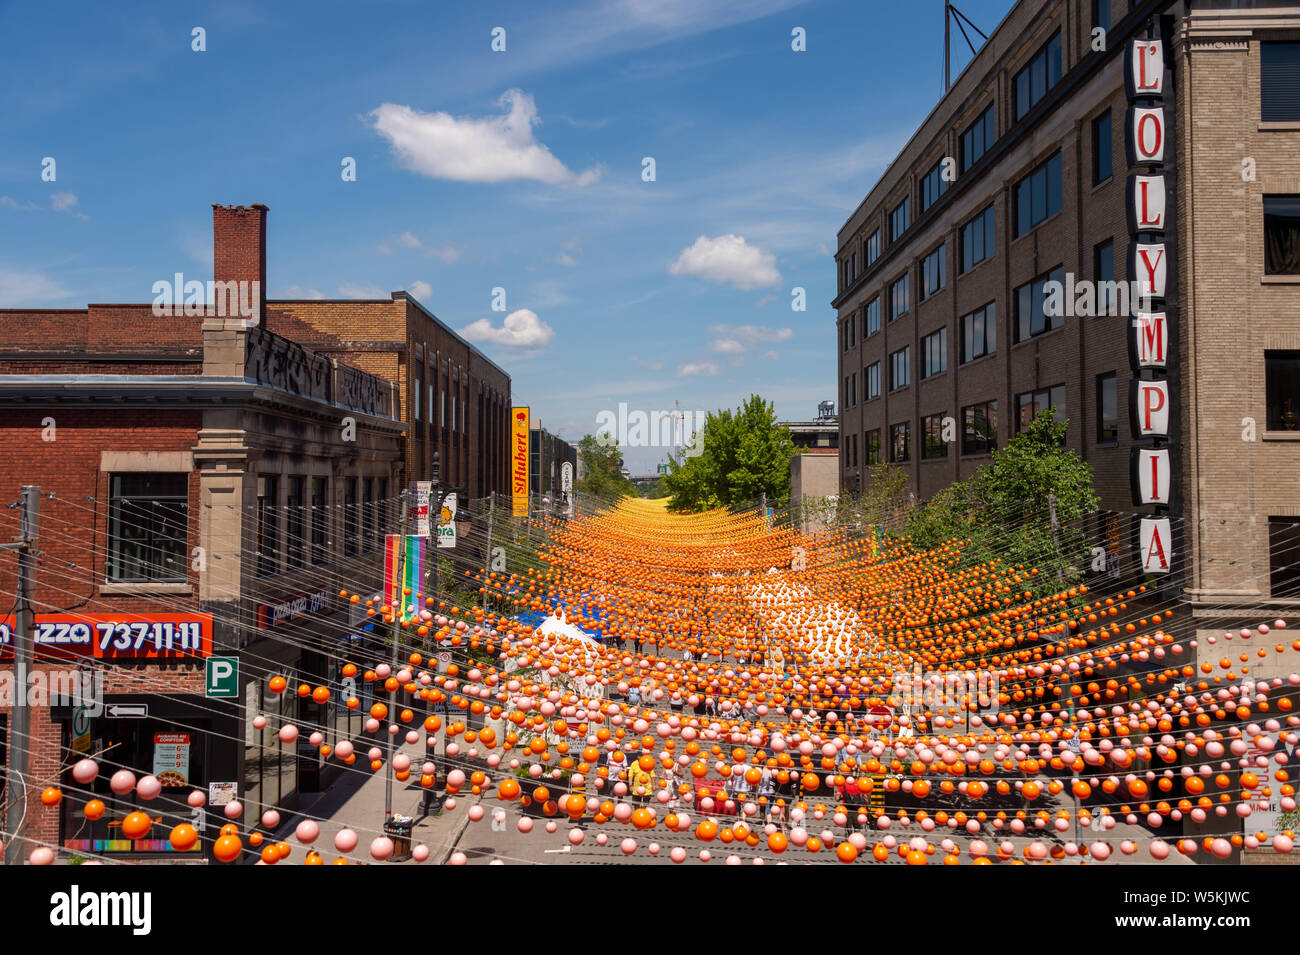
<point x="101" y="329"/>
<point x="239" y="245"/>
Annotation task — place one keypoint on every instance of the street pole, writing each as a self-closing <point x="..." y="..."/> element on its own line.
<point x="1056" y="543"/>
<point x="20" y="754"/>
<point x="487" y="552"/>
<point x="435" y="504"/>
<point x="396" y="628"/>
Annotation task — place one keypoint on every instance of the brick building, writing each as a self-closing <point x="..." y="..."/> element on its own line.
<point x="1029" y="171"/>
<point x="207" y="487"/>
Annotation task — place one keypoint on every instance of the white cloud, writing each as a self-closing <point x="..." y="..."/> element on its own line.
<point x="729" y="259"/>
<point x="728" y="346"/>
<point x="648" y="365"/>
<point x="297" y="291"/>
<point x="564" y="258"/>
<point x="772" y="355"/>
<point x="10" y="203"/>
<point x="421" y="290"/>
<point x="27" y="289"/>
<point x="735" y="339"/>
<point x="521" y="329"/>
<point x="697" y="368"/>
<point x="408" y="240"/>
<point x="353" y="290"/>
<point x="62" y="201"/>
<point x="467" y="149"/>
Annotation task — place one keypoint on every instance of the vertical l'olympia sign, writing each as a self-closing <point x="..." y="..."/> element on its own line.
<point x="420" y="493"/>
<point x="519" y="461"/>
<point x="1148" y="202"/>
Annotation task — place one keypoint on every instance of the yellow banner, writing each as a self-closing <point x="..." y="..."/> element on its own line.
<point x="519" y="460"/>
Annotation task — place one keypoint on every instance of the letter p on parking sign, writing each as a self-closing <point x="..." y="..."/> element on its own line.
<point x="221" y="677"/>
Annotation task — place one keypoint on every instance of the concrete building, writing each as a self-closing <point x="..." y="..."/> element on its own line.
<point x="208" y="488"/>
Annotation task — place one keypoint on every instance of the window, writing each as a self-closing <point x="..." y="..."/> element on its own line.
<point x="1103" y="267"/>
<point x="898" y="220"/>
<point x="442" y="406"/>
<point x="934" y="268"/>
<point x="1279" y="82"/>
<point x="979" y="333"/>
<point x="871" y="447"/>
<point x="855" y="450"/>
<point x="416" y="411"/>
<point x="844" y="334"/>
<point x="846" y="403"/>
<point x="978" y="239"/>
<point x="979" y="428"/>
<point x="370" y="532"/>
<point x="853" y="270"/>
<point x="978" y="138"/>
<point x="1101" y="14"/>
<point x="1284" y="556"/>
<point x="900" y="364"/>
<point x="853" y="388"/>
<point x="900" y="442"/>
<point x="268" y="526"/>
<point x="898" y="303"/>
<point x="349" y="517"/>
<point x="932" y="444"/>
<point x="1102" y="167"/>
<point x="871" y="382"/>
<point x="1282" y="390"/>
<point x="148" y="527"/>
<point x="1040" y="75"/>
<point x="934" y="352"/>
<point x="1281" y="235"/>
<point x="871" y="318"/>
<point x="1107" y="409"/>
<point x="319" y="519"/>
<point x="453" y="411"/>
<point x="1032" y="402"/>
<point x="933" y="186"/>
<point x="1038" y="195"/>
<point x="872" y="248"/>
<point x="295" y="505"/>
<point x="1031" y="306"/>
<point x="430" y="411"/>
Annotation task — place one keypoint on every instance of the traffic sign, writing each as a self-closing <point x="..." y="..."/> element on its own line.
<point x="80" y="721"/>
<point x="221" y="677"/>
<point x="127" y="710"/>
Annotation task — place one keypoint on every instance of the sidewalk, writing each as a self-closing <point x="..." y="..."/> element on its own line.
<point x="357" y="802"/>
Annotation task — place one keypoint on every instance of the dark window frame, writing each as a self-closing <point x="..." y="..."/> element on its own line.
<point x="975" y="440"/>
<point x="982" y="320"/>
<point x="148" y="527"/>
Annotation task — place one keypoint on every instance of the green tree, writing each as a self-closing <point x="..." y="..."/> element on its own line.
<point x="602" y="467"/>
<point x="740" y="456"/>
<point x="1005" y="508"/>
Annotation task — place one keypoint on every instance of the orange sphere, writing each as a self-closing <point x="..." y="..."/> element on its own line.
<point x="227" y="848"/>
<point x="51" y="796"/>
<point x="94" y="809"/>
<point x="278" y="684"/>
<point x="183" y="837"/>
<point x="136" y="825"/>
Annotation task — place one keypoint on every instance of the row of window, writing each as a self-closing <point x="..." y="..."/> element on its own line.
<point x="442" y="407"/>
<point x="979" y="422"/>
<point x="148" y="524"/>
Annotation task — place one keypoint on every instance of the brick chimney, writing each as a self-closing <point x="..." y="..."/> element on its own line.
<point x="239" y="248"/>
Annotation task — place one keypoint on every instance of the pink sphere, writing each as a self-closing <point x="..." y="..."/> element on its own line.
<point x="628" y="846"/>
<point x="677" y="854"/>
<point x="196" y="798"/>
<point x="234" y="808"/>
<point x="271" y="819"/>
<point x="149" y="787"/>
<point x="122" y="782"/>
<point x="288" y="733"/>
<point x="344" y="749"/>
<point x="308" y="831"/>
<point x="458" y="858"/>
<point x="381" y="848"/>
<point x="576" y="836"/>
<point x="1160" y="849"/>
<point x="525" y="825"/>
<point x="41" y="856"/>
<point x="475" y="813"/>
<point x="85" y="770"/>
<point x="1282" y="844"/>
<point x="420" y="853"/>
<point x="345" y="840"/>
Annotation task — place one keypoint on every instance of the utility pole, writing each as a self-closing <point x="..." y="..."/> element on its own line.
<point x="487" y="552"/>
<point x="20" y="754"/>
<point x="1056" y="543"/>
<point x="396" y="629"/>
<point x="435" y="505"/>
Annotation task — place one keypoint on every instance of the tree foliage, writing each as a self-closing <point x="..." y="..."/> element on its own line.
<point x="1005" y="508"/>
<point x="741" y="456"/>
<point x="602" y="468"/>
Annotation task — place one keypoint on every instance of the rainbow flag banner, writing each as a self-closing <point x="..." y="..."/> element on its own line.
<point x="403" y="568"/>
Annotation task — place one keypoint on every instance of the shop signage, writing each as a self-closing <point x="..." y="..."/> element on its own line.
<point x="519" y="461"/>
<point x="171" y="759"/>
<point x="1151" y="411"/>
<point x="271" y="615"/>
<point x="115" y="637"/>
<point x="420" y="493"/>
<point x="222" y="794"/>
<point x="221" y="677"/>
<point x="447" y="522"/>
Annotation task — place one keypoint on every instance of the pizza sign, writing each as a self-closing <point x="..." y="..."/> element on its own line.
<point x="171" y="759"/>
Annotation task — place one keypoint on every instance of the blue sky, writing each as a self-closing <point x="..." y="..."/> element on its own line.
<point x="478" y="169"/>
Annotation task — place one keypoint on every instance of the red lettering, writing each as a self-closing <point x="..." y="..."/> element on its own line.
<point x="1151" y="338"/>
<point x="1147" y="407"/>
<point x="1151" y="267"/>
<point x="1145" y="151"/>
<point x="1144" y="52"/>
<point x="1145" y="219"/>
<point x="1155" y="548"/>
<point x="1155" y="477"/>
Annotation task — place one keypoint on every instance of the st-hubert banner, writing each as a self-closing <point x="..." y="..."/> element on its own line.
<point x="519" y="460"/>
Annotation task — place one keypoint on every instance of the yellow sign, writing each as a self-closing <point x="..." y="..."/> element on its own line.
<point x="519" y="460"/>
